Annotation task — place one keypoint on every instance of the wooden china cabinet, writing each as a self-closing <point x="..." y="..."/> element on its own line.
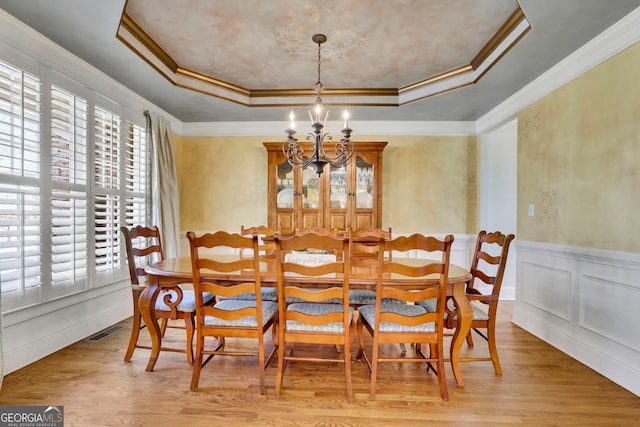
<point x="343" y="197"/>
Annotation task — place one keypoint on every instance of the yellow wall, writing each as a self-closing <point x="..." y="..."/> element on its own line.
<point x="430" y="184"/>
<point x="579" y="158"/>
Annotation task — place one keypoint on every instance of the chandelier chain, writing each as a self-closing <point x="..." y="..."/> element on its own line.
<point x="319" y="84"/>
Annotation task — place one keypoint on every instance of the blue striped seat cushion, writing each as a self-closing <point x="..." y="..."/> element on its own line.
<point x="368" y="312"/>
<point x="364" y="297"/>
<point x="317" y="309"/>
<point x="268" y="310"/>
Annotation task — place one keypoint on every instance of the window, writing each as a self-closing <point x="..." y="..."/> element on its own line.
<point x="74" y="168"/>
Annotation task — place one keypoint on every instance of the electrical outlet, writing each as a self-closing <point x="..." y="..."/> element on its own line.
<point x="532" y="209"/>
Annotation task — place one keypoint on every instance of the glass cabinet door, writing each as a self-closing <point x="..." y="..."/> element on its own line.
<point x="336" y="217"/>
<point x="338" y="188"/>
<point x="364" y="184"/>
<point x="310" y="189"/>
<point x="284" y="174"/>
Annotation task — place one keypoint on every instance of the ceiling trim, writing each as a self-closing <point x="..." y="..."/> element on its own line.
<point x="509" y="33"/>
<point x="610" y="42"/>
<point x="373" y="128"/>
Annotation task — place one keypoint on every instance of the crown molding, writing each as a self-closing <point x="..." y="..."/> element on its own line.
<point x="370" y="128"/>
<point x="610" y="42"/>
<point x="26" y="42"/>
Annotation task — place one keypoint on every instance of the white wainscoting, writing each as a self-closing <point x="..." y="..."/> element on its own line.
<point x="35" y="332"/>
<point x="585" y="302"/>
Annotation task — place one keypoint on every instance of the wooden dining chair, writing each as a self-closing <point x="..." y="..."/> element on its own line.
<point x="266" y="250"/>
<point x="230" y="317"/>
<point x="317" y="316"/>
<point x="487" y="270"/>
<point x="409" y="323"/>
<point x="144" y="247"/>
<point x="365" y="244"/>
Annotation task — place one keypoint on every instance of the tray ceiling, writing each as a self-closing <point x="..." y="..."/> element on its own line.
<point x="378" y="52"/>
<point x="213" y="59"/>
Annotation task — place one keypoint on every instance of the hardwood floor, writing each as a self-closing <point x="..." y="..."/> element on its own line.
<point x="540" y="386"/>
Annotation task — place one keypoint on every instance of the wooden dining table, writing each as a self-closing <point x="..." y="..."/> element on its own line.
<point x="171" y="272"/>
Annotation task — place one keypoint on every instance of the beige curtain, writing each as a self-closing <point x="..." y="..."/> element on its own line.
<point x="165" y="198"/>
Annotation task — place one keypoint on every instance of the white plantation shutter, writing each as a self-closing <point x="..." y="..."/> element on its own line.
<point x="69" y="209"/>
<point x="107" y="199"/>
<point x="20" y="198"/>
<point x="136" y="161"/>
<point x="74" y="167"/>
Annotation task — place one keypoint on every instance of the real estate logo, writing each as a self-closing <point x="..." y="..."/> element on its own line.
<point x="31" y="416"/>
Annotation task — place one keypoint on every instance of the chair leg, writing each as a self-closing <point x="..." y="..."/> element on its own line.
<point x="163" y="325"/>
<point x="135" y="327"/>
<point x="493" y="349"/>
<point x="347" y="372"/>
<point x="359" y="332"/>
<point x="197" y="363"/>
<point x="442" y="378"/>
<point x="432" y="352"/>
<point x="374" y="369"/>
<point x="347" y="360"/>
<point x="189" y="326"/>
<point x="470" y="339"/>
<point x="281" y="364"/>
<point x="261" y="363"/>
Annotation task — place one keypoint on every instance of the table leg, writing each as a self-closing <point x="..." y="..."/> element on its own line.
<point x="465" y="316"/>
<point x="148" y="311"/>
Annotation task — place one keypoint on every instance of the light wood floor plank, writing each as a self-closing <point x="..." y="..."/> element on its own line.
<point x="540" y="386"/>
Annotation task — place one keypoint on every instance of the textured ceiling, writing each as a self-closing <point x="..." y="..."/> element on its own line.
<point x="372" y="44"/>
<point x="261" y="44"/>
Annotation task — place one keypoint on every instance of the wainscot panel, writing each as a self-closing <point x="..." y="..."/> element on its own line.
<point x="583" y="301"/>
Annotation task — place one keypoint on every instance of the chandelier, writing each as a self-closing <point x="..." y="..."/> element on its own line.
<point x="324" y="149"/>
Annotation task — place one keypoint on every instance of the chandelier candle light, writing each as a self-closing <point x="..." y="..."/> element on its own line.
<point x="340" y="152"/>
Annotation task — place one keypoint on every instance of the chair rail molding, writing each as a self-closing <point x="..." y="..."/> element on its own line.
<point x="583" y="301"/>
